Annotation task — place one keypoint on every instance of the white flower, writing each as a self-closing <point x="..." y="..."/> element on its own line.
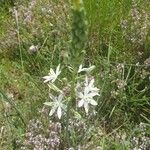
<point x="85" y="69"/>
<point x="87" y="95"/>
<point x="90" y="85"/>
<point x="57" y="105"/>
<point x="52" y="76"/>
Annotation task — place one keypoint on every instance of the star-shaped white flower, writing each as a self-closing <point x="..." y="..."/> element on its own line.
<point x="57" y="105"/>
<point x="89" y="84"/>
<point x="52" y="76"/>
<point x="87" y="95"/>
<point x="81" y="69"/>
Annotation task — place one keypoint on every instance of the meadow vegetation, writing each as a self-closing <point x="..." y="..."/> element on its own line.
<point x="74" y="75"/>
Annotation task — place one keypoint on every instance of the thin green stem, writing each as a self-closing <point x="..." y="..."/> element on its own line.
<point x="19" y="40"/>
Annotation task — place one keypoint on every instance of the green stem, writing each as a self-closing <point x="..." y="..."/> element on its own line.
<point x="67" y="125"/>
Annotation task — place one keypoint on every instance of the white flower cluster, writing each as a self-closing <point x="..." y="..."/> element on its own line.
<point x="84" y="91"/>
<point x="87" y="94"/>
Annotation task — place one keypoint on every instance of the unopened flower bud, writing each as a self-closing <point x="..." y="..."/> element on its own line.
<point x="33" y="49"/>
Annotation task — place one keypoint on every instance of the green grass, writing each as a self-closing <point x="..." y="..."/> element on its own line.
<point x="123" y="113"/>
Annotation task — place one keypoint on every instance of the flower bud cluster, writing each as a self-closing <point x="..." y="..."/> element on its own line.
<point x="79" y="28"/>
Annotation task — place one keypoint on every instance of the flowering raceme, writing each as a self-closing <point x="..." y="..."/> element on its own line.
<point x="85" y="91"/>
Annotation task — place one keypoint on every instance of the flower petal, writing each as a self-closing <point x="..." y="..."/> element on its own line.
<point x="52" y="97"/>
<point x="54" y="78"/>
<point x="48" y="103"/>
<point x="93" y="102"/>
<point x="80" y="103"/>
<point x="59" y="112"/>
<point x="80" y="95"/>
<point x="47" y="78"/>
<point x="52" y="72"/>
<point x="92" y="94"/>
<point x="60" y="97"/>
<point x="52" y="111"/>
<point x="58" y="70"/>
<point x="91" y="83"/>
<point x="90" y="68"/>
<point x="86" y="107"/>
<point x="80" y="68"/>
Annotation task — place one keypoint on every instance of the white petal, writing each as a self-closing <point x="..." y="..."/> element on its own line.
<point x="80" y="68"/>
<point x="60" y="97"/>
<point x="48" y="103"/>
<point x="59" y="112"/>
<point x="52" y="111"/>
<point x="86" y="90"/>
<point x="86" y="107"/>
<point x="93" y="102"/>
<point x="92" y="94"/>
<point x="86" y="81"/>
<point x="53" y="80"/>
<point x="95" y="89"/>
<point x="58" y="70"/>
<point x="91" y="68"/>
<point x="47" y="78"/>
<point x="52" y="72"/>
<point x="52" y="97"/>
<point x="80" y="95"/>
<point x="91" y="83"/>
<point x="58" y="73"/>
<point x="86" y="69"/>
<point x="80" y="103"/>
